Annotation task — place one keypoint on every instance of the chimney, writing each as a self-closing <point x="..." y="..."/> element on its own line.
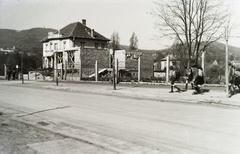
<point x="84" y="22"/>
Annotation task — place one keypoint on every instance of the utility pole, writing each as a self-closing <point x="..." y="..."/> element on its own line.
<point x="114" y="81"/>
<point x="226" y="63"/>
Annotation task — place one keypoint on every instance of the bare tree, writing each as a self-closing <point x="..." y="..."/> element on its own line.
<point x="195" y="23"/>
<point x="133" y="42"/>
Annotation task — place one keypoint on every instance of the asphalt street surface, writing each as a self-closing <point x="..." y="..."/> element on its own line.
<point x="90" y="123"/>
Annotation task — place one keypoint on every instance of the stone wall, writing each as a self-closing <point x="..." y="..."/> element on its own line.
<point x="146" y="63"/>
<point x="89" y="57"/>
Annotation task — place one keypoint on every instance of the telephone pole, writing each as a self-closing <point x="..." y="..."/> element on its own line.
<point x="226" y="63"/>
<point x="114" y="76"/>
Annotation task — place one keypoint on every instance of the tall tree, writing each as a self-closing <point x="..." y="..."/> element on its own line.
<point x="115" y="41"/>
<point x="133" y="42"/>
<point x="195" y="23"/>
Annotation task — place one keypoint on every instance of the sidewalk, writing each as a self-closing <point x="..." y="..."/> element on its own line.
<point x="156" y="92"/>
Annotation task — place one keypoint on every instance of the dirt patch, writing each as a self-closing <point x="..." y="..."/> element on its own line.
<point x="42" y="123"/>
<point x="15" y="136"/>
<point x="3" y="124"/>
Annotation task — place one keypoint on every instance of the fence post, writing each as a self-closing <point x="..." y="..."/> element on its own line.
<point x="203" y="62"/>
<point x="167" y="69"/>
<point x="116" y="66"/>
<point x="62" y="71"/>
<point x="56" y="68"/>
<point x="80" y="70"/>
<point x="96" y="71"/>
<point x="65" y="71"/>
<point x="22" y="68"/>
<point x="5" y="71"/>
<point x="139" y="68"/>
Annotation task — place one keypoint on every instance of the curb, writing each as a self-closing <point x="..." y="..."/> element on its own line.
<point x="196" y="100"/>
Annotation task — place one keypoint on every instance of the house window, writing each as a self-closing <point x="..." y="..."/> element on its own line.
<point x="82" y="44"/>
<point x="134" y="74"/>
<point x="59" y="57"/>
<point x="50" y="45"/>
<point x="96" y="45"/>
<point x="46" y="46"/>
<point x="55" y="46"/>
<point x="102" y="45"/>
<point x="71" y="59"/>
<point x="64" y="44"/>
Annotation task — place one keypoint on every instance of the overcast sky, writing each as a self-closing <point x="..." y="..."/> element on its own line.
<point x="104" y="16"/>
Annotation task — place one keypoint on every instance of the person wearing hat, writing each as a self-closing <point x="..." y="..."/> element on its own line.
<point x="189" y="77"/>
<point x="199" y="80"/>
<point x="173" y="78"/>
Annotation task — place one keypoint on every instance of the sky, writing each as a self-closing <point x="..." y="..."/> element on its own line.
<point x="104" y="16"/>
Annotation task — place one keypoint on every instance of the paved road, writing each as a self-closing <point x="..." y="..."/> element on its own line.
<point x="123" y="125"/>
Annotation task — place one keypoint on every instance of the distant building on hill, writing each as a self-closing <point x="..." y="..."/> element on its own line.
<point x="8" y="50"/>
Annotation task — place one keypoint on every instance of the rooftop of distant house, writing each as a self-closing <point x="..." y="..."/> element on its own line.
<point x="7" y="49"/>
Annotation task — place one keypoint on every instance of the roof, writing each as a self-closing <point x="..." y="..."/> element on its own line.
<point x="78" y="30"/>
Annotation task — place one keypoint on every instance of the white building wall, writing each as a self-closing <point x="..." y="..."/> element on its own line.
<point x="120" y="55"/>
<point x="77" y="56"/>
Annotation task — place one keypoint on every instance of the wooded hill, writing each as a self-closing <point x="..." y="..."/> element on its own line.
<point x="28" y="41"/>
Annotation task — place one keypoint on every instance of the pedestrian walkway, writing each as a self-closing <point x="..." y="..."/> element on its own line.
<point x="137" y="90"/>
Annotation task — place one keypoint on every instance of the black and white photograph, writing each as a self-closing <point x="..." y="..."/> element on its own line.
<point x="119" y="77"/>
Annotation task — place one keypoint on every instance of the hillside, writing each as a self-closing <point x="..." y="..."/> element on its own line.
<point x="26" y="40"/>
<point x="29" y="42"/>
<point x="217" y="52"/>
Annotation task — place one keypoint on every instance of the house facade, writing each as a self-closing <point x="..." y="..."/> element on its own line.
<point x="73" y="50"/>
